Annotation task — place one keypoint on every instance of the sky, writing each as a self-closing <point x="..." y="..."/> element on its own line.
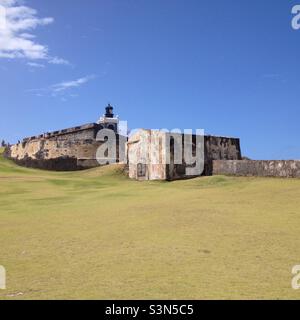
<point x="229" y="67"/>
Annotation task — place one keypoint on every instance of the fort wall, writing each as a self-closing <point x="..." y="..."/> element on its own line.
<point x="148" y="149"/>
<point x="69" y="149"/>
<point x="266" y="168"/>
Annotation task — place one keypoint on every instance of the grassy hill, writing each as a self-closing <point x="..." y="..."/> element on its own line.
<point x="96" y="234"/>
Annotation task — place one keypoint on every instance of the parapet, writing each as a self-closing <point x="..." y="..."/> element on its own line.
<point x="53" y="134"/>
<point x="258" y="168"/>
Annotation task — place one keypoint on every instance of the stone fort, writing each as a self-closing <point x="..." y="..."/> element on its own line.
<point x="68" y="149"/>
<point x="76" y="149"/>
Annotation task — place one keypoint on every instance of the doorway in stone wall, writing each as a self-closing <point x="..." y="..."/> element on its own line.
<point x="141" y="170"/>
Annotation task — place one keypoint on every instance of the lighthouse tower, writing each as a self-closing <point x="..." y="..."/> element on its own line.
<point x="108" y="120"/>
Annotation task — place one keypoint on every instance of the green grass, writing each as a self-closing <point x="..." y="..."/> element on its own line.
<point x="96" y="234"/>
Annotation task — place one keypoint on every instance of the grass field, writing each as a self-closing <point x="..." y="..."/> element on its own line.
<point x="97" y="235"/>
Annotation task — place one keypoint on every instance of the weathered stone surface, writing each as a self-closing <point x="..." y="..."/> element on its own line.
<point x="287" y="169"/>
<point x="69" y="149"/>
<point x="57" y="164"/>
<point x="148" y="149"/>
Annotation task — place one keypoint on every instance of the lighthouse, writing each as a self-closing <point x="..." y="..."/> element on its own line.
<point x="109" y="120"/>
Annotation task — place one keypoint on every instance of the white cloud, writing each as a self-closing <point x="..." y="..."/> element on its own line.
<point x="27" y="36"/>
<point x="61" y="88"/>
<point x="7" y="2"/>
<point x="16" y="38"/>
<point x="56" y="60"/>
<point x="35" y="65"/>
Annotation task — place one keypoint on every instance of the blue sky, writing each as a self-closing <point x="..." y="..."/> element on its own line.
<point x="230" y="67"/>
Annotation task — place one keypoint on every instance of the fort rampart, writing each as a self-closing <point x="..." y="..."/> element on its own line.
<point x="64" y="150"/>
<point x="266" y="168"/>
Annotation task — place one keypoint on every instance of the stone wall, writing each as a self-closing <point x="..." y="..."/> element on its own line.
<point x="87" y="131"/>
<point x="64" y="150"/>
<point x="55" y="154"/>
<point x="148" y="150"/>
<point x="224" y="148"/>
<point x="287" y="169"/>
<point x="145" y="155"/>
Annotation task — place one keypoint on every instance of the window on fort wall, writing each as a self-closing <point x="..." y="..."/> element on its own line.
<point x="180" y="169"/>
<point x="141" y="170"/>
